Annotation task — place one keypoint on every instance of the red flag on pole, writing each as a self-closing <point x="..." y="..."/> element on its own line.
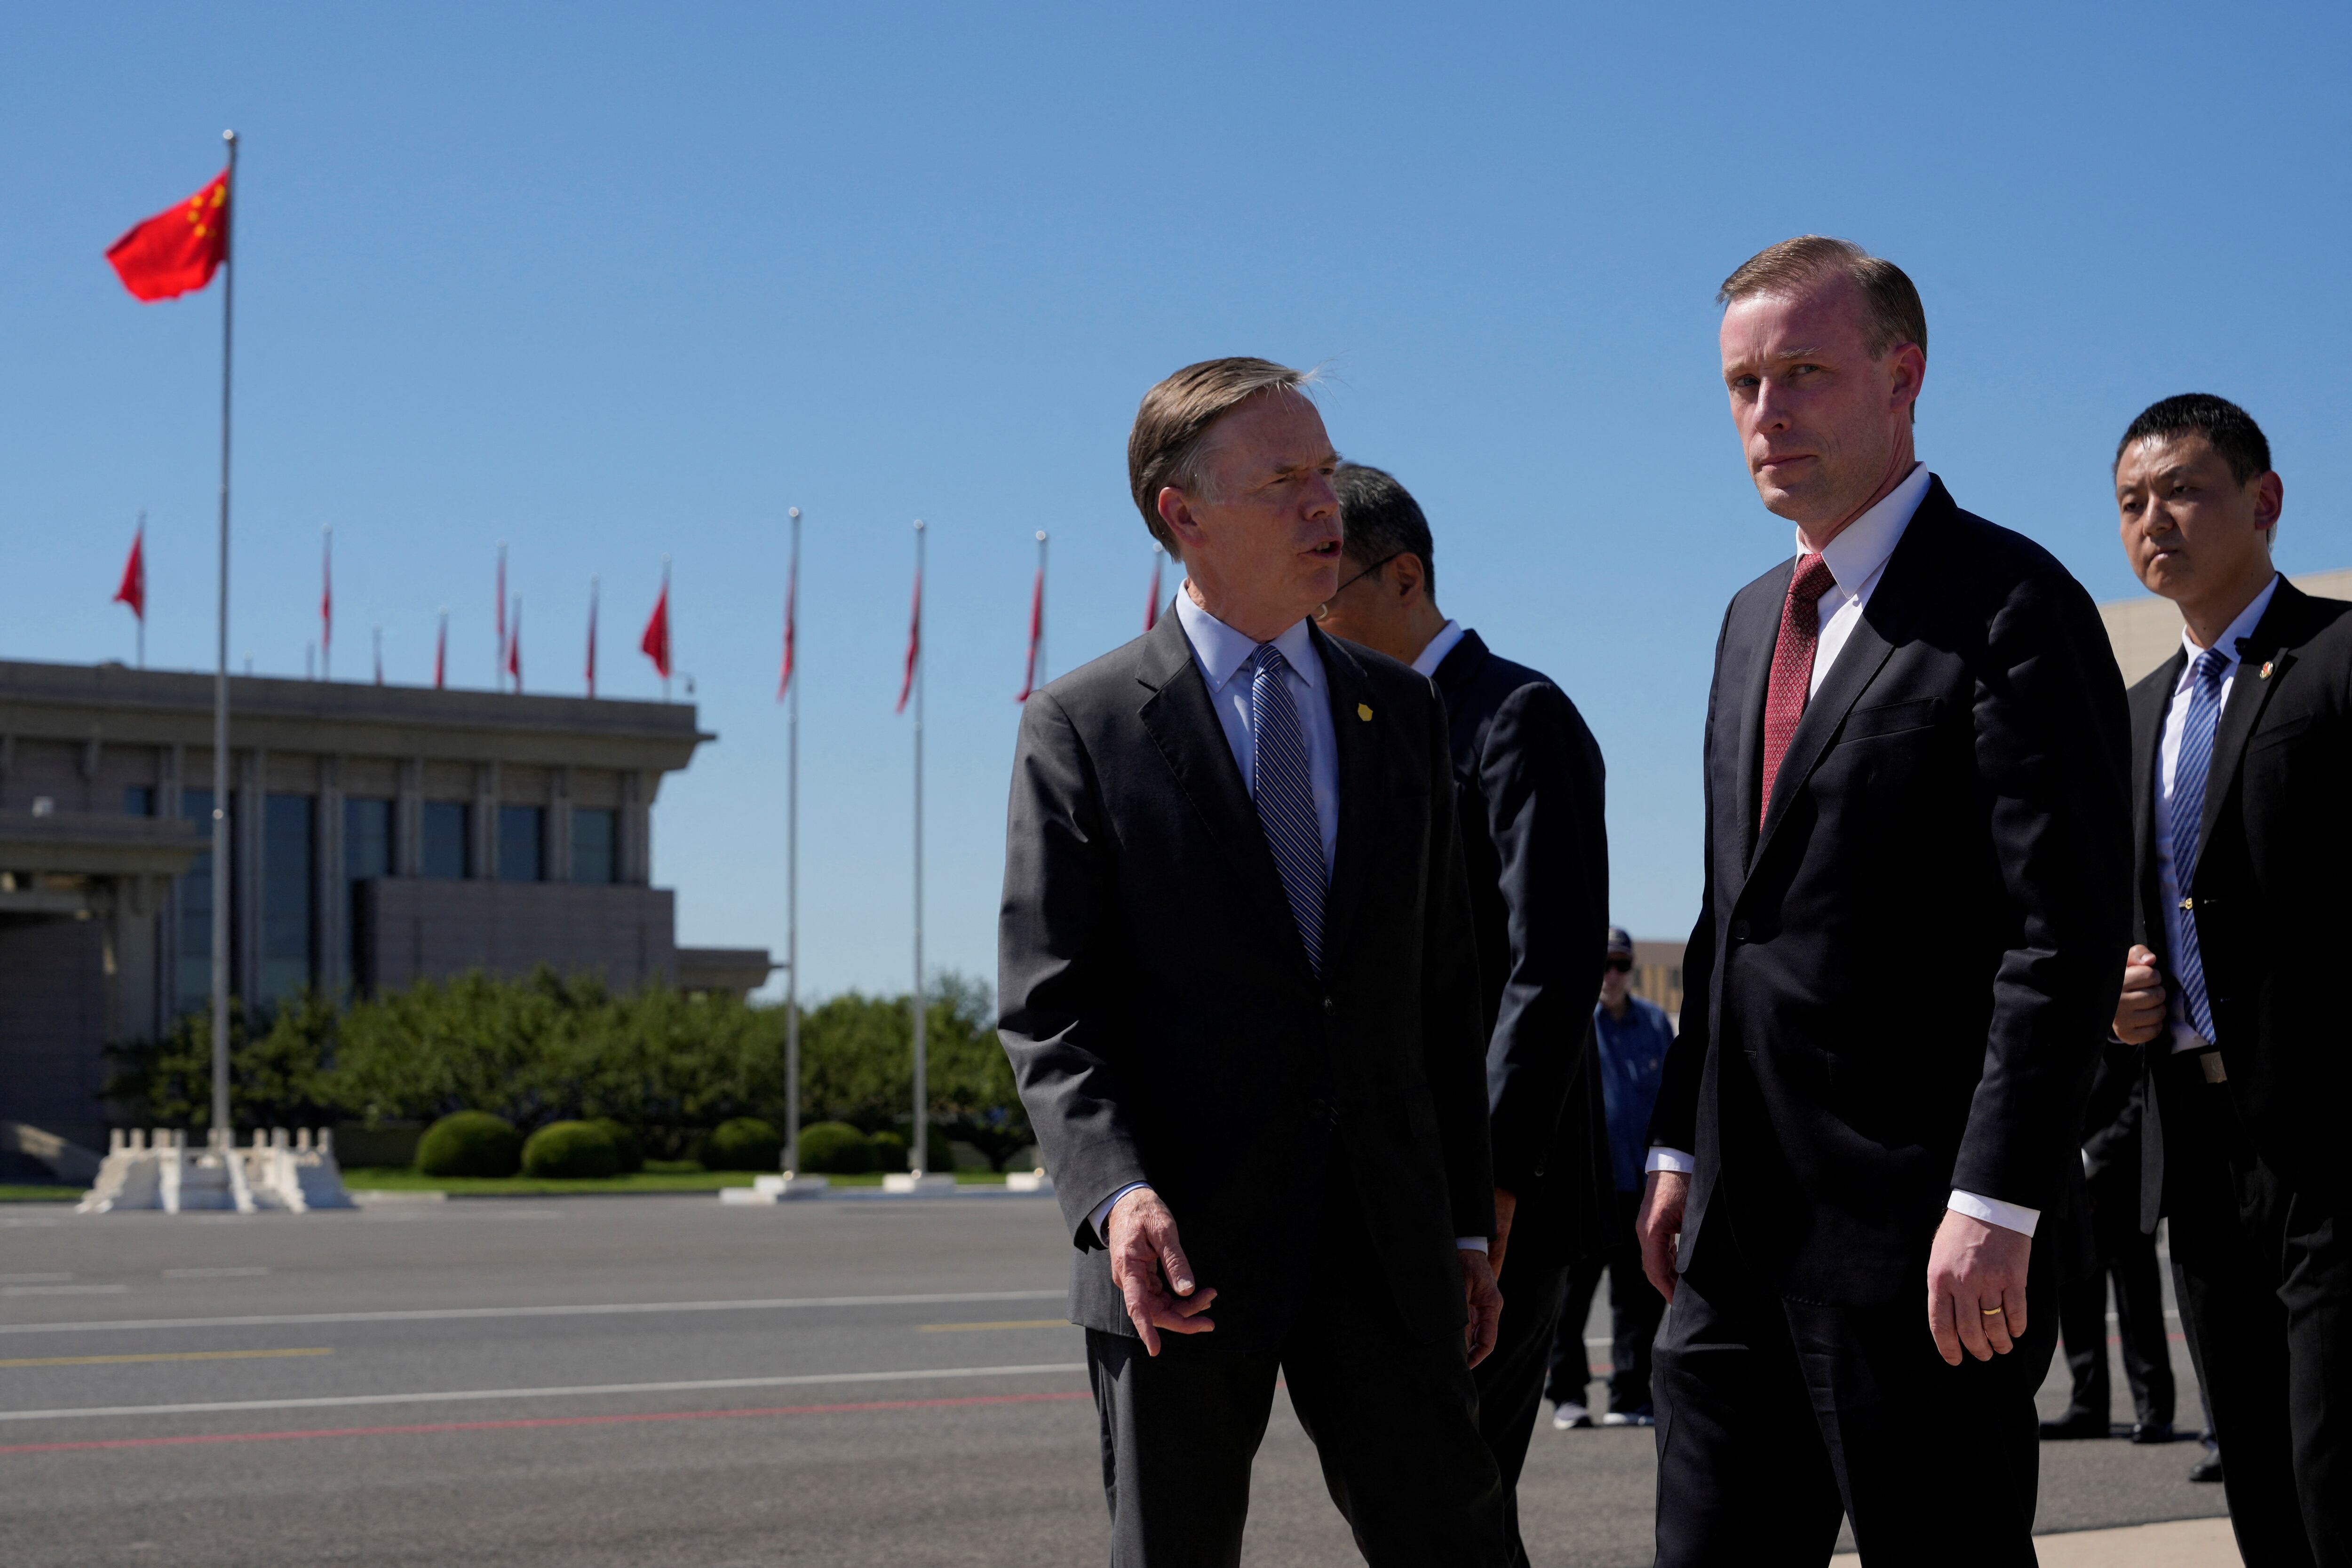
<point x="133" y="590"/>
<point x="441" y="654"/>
<point x="654" y="643"/>
<point x="502" y="609"/>
<point x="514" y="646"/>
<point x="327" y="593"/>
<point x="914" y="643"/>
<point x="591" y="636"/>
<point x="178" y="250"/>
<point x="792" y="606"/>
<point x="1036" y="625"/>
<point x="1151" y="600"/>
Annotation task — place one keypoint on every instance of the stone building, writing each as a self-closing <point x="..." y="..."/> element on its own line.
<point x="379" y="834"/>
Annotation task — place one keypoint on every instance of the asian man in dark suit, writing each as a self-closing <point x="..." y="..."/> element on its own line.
<point x="2242" y="789"/>
<point x="1528" y="782"/>
<point x="1918" y="871"/>
<point x="1240" y="994"/>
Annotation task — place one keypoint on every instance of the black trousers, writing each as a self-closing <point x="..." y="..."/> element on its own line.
<point x="2128" y="1258"/>
<point x="1395" y="1420"/>
<point x="1511" y="1381"/>
<point x="1775" y="1416"/>
<point x="1634" y="1310"/>
<point x="2266" y="1276"/>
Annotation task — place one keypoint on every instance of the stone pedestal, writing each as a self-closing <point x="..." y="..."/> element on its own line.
<point x="789" y="1187"/>
<point x="932" y="1184"/>
<point x="287" y="1172"/>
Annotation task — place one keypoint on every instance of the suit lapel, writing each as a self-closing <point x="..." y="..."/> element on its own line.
<point x="1183" y="726"/>
<point x="2148" y="704"/>
<point x="2250" y="692"/>
<point x="1460" y="667"/>
<point x="1363" y="787"/>
<point x="1755" y="636"/>
<point x="1885" y="622"/>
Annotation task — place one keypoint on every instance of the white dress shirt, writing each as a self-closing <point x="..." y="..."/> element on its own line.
<point x="1857" y="559"/>
<point x="1439" y="646"/>
<point x="1222" y="653"/>
<point x="2167" y="765"/>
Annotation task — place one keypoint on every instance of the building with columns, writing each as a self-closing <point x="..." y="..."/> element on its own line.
<point x="378" y="835"/>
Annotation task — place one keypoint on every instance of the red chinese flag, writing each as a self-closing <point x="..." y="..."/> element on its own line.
<point x="133" y="590"/>
<point x="592" y="639"/>
<point x="1151" y="600"/>
<point x="792" y="606"/>
<point x="656" y="642"/>
<point x="514" y="646"/>
<point x="441" y="655"/>
<point x="178" y="250"/>
<point x="1036" y="625"/>
<point x="914" y="643"/>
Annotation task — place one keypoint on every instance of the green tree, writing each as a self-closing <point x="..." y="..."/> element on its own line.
<point x="280" y="1079"/>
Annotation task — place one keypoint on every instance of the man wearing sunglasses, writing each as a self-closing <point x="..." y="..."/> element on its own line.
<point x="1528" y="784"/>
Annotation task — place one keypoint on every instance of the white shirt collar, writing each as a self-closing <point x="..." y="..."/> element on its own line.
<point x="1448" y="635"/>
<point x="1861" y="549"/>
<point x="2227" y="643"/>
<point x="1221" y="650"/>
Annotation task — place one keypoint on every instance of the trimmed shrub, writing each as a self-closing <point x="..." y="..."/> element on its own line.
<point x="745" y="1144"/>
<point x="890" y="1151"/>
<point x="835" y="1148"/>
<point x="627" y="1152"/>
<point x="571" y="1151"/>
<point x="470" y="1144"/>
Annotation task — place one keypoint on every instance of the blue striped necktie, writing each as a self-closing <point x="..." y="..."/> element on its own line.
<point x="1284" y="796"/>
<point x="2189" y="772"/>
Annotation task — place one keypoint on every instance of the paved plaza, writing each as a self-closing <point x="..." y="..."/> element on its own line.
<point x="632" y="1381"/>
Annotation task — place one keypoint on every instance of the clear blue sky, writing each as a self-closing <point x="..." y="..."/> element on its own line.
<point x="610" y="282"/>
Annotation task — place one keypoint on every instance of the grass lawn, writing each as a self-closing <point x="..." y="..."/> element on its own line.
<point x="38" y="1192"/>
<point x="673" y="1177"/>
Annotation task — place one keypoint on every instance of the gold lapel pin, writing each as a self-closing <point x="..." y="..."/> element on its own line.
<point x="1364" y="710"/>
<point x="2266" y="668"/>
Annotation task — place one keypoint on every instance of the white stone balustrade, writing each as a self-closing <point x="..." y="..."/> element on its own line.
<point x="159" y="1168"/>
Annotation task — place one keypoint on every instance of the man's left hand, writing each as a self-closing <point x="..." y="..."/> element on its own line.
<point x="1485" y="1301"/>
<point x="1506" y="1205"/>
<point x="1974" y="1269"/>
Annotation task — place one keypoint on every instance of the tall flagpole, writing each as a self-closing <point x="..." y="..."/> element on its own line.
<point x="223" y="867"/>
<point x="1039" y="679"/>
<point x="918" y="1146"/>
<point x="326" y="602"/>
<point x="793" y="877"/>
<point x="141" y="616"/>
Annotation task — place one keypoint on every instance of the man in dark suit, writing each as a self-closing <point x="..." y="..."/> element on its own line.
<point x="1528" y="783"/>
<point x="1916" y="882"/>
<point x="2242" y="754"/>
<point x="1240" y="993"/>
<point x="2126" y="1254"/>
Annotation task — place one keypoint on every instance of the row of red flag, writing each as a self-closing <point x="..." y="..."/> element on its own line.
<point x="180" y="249"/>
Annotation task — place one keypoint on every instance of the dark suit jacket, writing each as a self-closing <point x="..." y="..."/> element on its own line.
<point x="1163" y="1021"/>
<point x="2272" y="886"/>
<point x="1528" y="783"/>
<point x="1898" y="986"/>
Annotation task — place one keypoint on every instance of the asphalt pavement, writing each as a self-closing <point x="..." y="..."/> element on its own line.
<point x="644" y="1381"/>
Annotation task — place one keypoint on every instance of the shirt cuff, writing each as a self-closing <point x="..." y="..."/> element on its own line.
<point x="1470" y="1243"/>
<point x="1992" y="1211"/>
<point x="1100" y="1218"/>
<point x="1665" y="1160"/>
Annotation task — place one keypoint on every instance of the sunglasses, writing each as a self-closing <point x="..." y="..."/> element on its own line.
<point x="1623" y="965"/>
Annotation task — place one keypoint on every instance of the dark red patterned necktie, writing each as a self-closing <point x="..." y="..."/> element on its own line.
<point x="1792" y="668"/>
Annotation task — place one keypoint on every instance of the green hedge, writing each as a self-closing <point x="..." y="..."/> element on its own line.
<point x="470" y="1143"/>
<point x="744" y="1143"/>
<point x="835" y="1148"/>
<point x="572" y="1151"/>
<point x="628" y="1154"/>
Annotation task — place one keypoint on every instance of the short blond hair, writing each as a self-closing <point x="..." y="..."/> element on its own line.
<point x="1171" y="427"/>
<point x="1892" y="313"/>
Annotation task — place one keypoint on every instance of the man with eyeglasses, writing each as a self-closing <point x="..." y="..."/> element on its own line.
<point x="1528" y="783"/>
<point x="1629" y="1037"/>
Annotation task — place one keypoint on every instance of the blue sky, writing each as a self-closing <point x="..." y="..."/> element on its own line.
<point x="610" y="282"/>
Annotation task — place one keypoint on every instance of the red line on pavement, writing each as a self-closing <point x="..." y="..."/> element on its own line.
<point x="860" y="1408"/>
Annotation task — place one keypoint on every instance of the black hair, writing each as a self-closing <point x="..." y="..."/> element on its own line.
<point x="1379" y="520"/>
<point x="2230" y="429"/>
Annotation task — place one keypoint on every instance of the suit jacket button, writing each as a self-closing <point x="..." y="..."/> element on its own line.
<point x="1739" y="931"/>
<point x="1329" y="1007"/>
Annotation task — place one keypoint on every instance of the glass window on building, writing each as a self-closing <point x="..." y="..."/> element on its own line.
<point x="139" y="800"/>
<point x="448" y="835"/>
<point x="196" y="976"/>
<point x="595" y="844"/>
<point x="288" y="851"/>
<point x="367" y="854"/>
<point x="522" y="843"/>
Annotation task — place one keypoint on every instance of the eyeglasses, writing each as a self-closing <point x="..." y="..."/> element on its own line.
<point x="1325" y="607"/>
<point x="1623" y="965"/>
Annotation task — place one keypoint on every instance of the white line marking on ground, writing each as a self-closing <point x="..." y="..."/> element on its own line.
<point x="213" y="1273"/>
<point x="700" y="1385"/>
<point x="62" y="1290"/>
<point x="429" y="1315"/>
<point x="31" y="1278"/>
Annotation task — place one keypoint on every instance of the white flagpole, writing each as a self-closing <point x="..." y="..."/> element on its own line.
<point x="224" y="865"/>
<point x="917" y="1145"/>
<point x="792" y="873"/>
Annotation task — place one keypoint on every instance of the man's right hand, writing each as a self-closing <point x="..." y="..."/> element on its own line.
<point x="1663" y="1193"/>
<point x="2140" y="1015"/>
<point x="1149" y="1266"/>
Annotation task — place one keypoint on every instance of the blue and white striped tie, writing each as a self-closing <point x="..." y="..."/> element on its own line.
<point x="2196" y="760"/>
<point x="1286" y="799"/>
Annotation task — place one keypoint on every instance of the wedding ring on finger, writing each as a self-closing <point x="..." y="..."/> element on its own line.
<point x="1993" y="1311"/>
